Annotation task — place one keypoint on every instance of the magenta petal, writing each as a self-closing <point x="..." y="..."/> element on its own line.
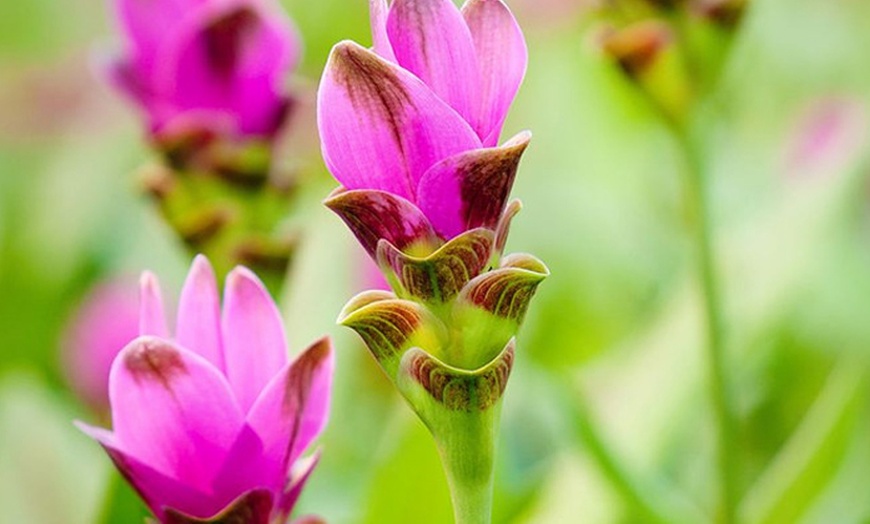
<point x="431" y="39"/>
<point x="147" y="23"/>
<point x="471" y="189"/>
<point x="502" y="56"/>
<point x="247" y="467"/>
<point x="255" y="347"/>
<point x="372" y="215"/>
<point x="172" y="410"/>
<point x="380" y="127"/>
<point x="378" y="11"/>
<point x="157" y="490"/>
<point x="198" y="325"/>
<point x="231" y="58"/>
<point x="152" y="319"/>
<point x="294" y="407"/>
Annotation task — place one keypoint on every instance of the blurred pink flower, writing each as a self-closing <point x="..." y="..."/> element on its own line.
<point x="211" y="423"/>
<point x="207" y="64"/>
<point x="410" y="128"/>
<point x="829" y="138"/>
<point x="104" y="322"/>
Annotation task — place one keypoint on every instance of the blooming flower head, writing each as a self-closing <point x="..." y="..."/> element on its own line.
<point x="103" y="323"/>
<point x="207" y="64"/>
<point x="209" y="425"/>
<point x="410" y="129"/>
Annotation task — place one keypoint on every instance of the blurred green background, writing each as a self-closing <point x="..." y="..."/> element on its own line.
<point x="619" y="320"/>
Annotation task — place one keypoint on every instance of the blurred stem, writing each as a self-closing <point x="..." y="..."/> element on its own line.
<point x="697" y="200"/>
<point x="632" y="492"/>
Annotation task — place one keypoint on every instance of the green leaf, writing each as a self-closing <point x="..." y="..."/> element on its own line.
<point x="811" y="457"/>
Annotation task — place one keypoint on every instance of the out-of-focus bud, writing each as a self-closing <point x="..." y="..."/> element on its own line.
<point x="828" y="139"/>
<point x="106" y="319"/>
<point x="725" y="13"/>
<point x="648" y="54"/>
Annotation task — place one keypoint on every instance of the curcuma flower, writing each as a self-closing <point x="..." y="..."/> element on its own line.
<point x="209" y="425"/>
<point x="216" y="65"/>
<point x="410" y="130"/>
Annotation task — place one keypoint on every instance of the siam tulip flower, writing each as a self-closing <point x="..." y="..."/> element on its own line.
<point x="210" y="425"/>
<point x="208" y="75"/>
<point x="207" y="65"/>
<point x="106" y="319"/>
<point x="410" y="129"/>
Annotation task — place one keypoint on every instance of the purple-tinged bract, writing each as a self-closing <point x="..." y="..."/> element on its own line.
<point x="210" y="425"/>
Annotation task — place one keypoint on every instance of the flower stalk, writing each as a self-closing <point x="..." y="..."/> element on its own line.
<point x="696" y="195"/>
<point x="675" y="63"/>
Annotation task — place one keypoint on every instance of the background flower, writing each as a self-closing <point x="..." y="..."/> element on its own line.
<point x="217" y="64"/>
<point x="213" y="421"/>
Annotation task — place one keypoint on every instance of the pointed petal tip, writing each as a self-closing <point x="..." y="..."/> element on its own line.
<point x="148" y="280"/>
<point x="150" y="356"/>
<point x="101" y="435"/>
<point x="241" y="275"/>
<point x="320" y="351"/>
<point x="520" y="139"/>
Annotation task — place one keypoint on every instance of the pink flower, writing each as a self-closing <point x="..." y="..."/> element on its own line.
<point x="211" y="423"/>
<point x="104" y="322"/>
<point x="412" y="127"/>
<point x="207" y="64"/>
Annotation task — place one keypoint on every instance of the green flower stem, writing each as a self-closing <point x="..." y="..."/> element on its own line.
<point x="462" y="410"/>
<point x="698" y="206"/>
<point x="467" y="449"/>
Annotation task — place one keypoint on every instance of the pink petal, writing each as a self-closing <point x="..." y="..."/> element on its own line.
<point x="126" y="75"/>
<point x="254" y="342"/>
<point x="232" y="58"/>
<point x="471" y="189"/>
<point x="152" y="319"/>
<point x="430" y="39"/>
<point x="173" y="411"/>
<point x="157" y="490"/>
<point x="147" y="22"/>
<point x="502" y="56"/>
<point x="198" y="326"/>
<point x="378" y="11"/>
<point x="294" y="407"/>
<point x="247" y="467"/>
<point x="380" y="127"/>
